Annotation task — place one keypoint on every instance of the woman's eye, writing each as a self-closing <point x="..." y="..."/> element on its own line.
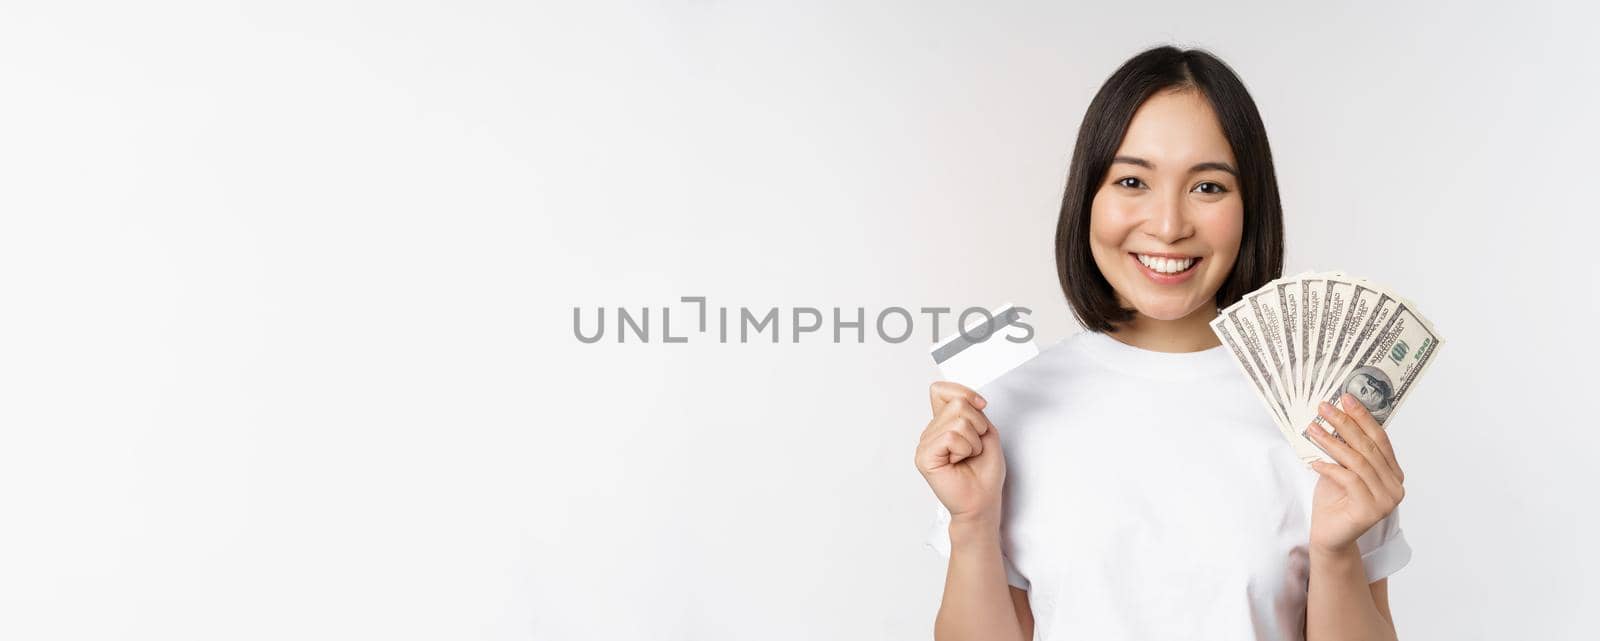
<point x="1130" y="182"/>
<point x="1214" y="188"/>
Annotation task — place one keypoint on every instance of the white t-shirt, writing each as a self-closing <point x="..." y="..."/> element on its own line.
<point x="1149" y="495"/>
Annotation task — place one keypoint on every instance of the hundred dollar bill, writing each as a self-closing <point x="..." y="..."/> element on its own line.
<point x="1251" y="363"/>
<point x="1289" y="316"/>
<point x="1262" y="306"/>
<point x="1369" y="308"/>
<point x="1310" y="337"/>
<point x="1388" y="368"/>
<point x="1335" y="301"/>
<point x="1237" y="328"/>
<point x="1312" y="293"/>
<point x="1375" y="318"/>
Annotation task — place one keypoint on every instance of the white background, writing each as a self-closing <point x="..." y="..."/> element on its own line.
<point x="286" y="296"/>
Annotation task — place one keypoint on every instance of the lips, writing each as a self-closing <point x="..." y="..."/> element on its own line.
<point x="1167" y="265"/>
<point x="1166" y="269"/>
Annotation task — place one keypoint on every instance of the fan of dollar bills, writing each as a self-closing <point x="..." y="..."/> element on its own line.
<point x="1312" y="337"/>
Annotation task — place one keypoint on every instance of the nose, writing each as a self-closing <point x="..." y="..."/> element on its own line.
<point x="1169" y="221"/>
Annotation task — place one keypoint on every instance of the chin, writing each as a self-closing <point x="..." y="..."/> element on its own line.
<point x="1165" y="310"/>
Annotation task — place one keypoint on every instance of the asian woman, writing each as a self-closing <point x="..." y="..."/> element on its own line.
<point x="1125" y="484"/>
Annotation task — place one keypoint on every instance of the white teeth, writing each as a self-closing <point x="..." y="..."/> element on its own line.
<point x="1165" y="265"/>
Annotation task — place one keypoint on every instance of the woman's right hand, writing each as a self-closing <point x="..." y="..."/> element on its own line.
<point x="960" y="455"/>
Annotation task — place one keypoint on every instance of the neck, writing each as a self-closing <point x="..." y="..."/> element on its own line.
<point x="1191" y="333"/>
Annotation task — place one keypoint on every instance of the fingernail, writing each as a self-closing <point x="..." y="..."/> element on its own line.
<point x="1325" y="409"/>
<point x="1347" y="398"/>
<point x="982" y="402"/>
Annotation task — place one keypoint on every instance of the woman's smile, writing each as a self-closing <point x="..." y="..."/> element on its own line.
<point x="1166" y="269"/>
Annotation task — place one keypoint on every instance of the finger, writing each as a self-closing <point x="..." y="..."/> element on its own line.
<point x="960" y="406"/>
<point x="947" y="410"/>
<point x="937" y="437"/>
<point x="1353" y="486"/>
<point x="951" y="448"/>
<point x="1355" y="435"/>
<point x="1356" y="489"/>
<point x="975" y="426"/>
<point x="942" y="392"/>
<point x="974" y="443"/>
<point x="959" y="446"/>
<point x="953" y="420"/>
<point x="1374" y="431"/>
<point x="1347" y="457"/>
<point x="991" y="438"/>
<point x="980" y="421"/>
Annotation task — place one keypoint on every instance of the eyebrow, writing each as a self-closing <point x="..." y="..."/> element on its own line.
<point x="1220" y="166"/>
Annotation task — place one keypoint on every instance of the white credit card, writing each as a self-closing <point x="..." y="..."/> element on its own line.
<point x="985" y="349"/>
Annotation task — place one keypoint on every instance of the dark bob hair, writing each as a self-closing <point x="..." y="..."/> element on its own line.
<point x="1104" y="125"/>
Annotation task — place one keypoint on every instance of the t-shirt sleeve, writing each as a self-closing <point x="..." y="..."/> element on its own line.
<point x="938" y="540"/>
<point x="1383" y="548"/>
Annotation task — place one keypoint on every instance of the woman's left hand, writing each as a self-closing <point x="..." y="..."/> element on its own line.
<point x="1363" y="488"/>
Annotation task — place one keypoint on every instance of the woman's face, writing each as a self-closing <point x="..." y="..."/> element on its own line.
<point x="1164" y="226"/>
